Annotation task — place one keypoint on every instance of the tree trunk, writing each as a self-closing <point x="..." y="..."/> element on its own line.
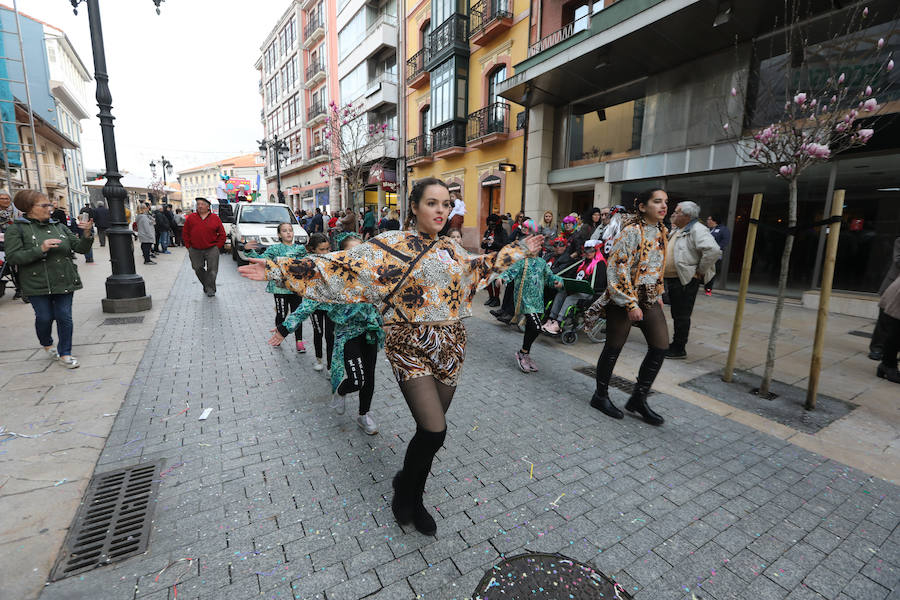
<point x="782" y="284"/>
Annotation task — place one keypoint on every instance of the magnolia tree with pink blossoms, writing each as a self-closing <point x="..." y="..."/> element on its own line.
<point x="353" y="146"/>
<point x="822" y="116"/>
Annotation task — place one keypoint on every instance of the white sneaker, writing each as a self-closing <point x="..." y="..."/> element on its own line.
<point x="70" y="362"/>
<point x="338" y="403"/>
<point x="319" y="366"/>
<point x="52" y="354"/>
<point x="367" y="423"/>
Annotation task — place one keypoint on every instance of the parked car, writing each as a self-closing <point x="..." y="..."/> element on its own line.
<point x="258" y="222"/>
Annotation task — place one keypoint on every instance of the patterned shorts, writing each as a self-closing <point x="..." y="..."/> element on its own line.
<point x="419" y="350"/>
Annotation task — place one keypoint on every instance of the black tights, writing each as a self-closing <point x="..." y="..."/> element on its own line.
<point x="360" y="359"/>
<point x="428" y="401"/>
<point x="285" y="304"/>
<point x="655" y="331"/>
<point x="322" y="326"/>
<point x="532" y="330"/>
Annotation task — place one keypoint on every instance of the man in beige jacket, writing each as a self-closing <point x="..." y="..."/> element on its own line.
<point x="690" y="262"/>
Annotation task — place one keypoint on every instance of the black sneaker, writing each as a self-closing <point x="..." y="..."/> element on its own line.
<point x="497" y="312"/>
<point x="149" y="262"/>
<point x="505" y="319"/>
<point x="676" y="353"/>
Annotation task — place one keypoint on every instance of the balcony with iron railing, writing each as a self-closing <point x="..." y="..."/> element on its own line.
<point x="315" y="73"/>
<point x="416" y="74"/>
<point x="53" y="176"/>
<point x="449" y="139"/>
<point x="560" y="35"/>
<point x="314" y="30"/>
<point x="489" y="18"/>
<point x="448" y="38"/>
<point x="315" y="114"/>
<point x="488" y="125"/>
<point x="317" y="153"/>
<point x="418" y="150"/>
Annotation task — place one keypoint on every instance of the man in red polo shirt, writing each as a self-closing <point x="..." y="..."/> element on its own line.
<point x="204" y="237"/>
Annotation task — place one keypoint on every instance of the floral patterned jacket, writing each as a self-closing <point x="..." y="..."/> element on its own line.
<point x="350" y="321"/>
<point x="635" y="266"/>
<point x="277" y="251"/>
<point x="531" y="275"/>
<point x="410" y="277"/>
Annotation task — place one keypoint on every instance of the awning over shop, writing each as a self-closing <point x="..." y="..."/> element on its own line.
<point x="491" y="181"/>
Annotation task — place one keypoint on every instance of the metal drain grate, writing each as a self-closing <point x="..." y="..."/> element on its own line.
<point x="122" y="320"/>
<point x="113" y="521"/>
<point x="620" y="383"/>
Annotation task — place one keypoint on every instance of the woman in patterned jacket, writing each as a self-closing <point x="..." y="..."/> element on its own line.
<point x="423" y="285"/>
<point x="286" y="301"/>
<point x="633" y="296"/>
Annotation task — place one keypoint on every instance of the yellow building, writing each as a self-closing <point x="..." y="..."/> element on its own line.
<point x="458" y="128"/>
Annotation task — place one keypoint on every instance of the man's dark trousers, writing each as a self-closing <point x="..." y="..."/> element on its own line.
<point x="681" y="303"/>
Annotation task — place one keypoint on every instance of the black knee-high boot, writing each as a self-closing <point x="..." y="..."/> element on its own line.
<point x="409" y="484"/>
<point x="600" y="399"/>
<point x="653" y="361"/>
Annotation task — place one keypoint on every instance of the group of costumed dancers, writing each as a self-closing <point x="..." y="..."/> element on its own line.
<point x="408" y="291"/>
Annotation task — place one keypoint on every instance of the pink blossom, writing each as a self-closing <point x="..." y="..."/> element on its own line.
<point x="393" y="138"/>
<point x="864" y="135"/>
<point x="824" y="108"/>
<point x="868" y="90"/>
<point x="890" y="65"/>
<point x="786" y="170"/>
<point x="733" y="92"/>
<point x="800" y="98"/>
<point x="812" y="104"/>
<point x="725" y="126"/>
<point x="870" y="105"/>
<point x="865" y="12"/>
<point x="841" y="78"/>
<point x="834" y="99"/>
<point x="816" y="150"/>
<point x="880" y="43"/>
<point x="842" y="126"/>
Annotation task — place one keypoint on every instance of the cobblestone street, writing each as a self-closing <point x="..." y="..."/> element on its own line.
<point x="276" y="496"/>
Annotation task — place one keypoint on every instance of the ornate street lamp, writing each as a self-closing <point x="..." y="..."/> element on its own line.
<point x="280" y="149"/>
<point x="166" y="167"/>
<point x="125" y="289"/>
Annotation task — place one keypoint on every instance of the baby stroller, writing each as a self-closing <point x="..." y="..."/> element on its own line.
<point x="8" y="276"/>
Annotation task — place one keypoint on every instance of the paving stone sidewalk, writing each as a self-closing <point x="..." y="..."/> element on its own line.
<point x="276" y="496"/>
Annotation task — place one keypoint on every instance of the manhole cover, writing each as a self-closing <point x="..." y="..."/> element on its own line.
<point x="122" y="320"/>
<point x="551" y="576"/>
<point x="113" y="521"/>
<point x="620" y="383"/>
<point x="862" y="334"/>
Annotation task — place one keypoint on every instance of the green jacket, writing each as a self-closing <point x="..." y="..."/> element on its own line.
<point x="531" y="275"/>
<point x="276" y="251"/>
<point x="369" y="220"/>
<point x="45" y="273"/>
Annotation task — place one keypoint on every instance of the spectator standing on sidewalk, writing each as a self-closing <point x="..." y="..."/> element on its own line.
<point x="889" y="307"/>
<point x="348" y="222"/>
<point x="170" y="216"/>
<point x="368" y="229"/>
<point x="101" y="220"/>
<point x="58" y="214"/>
<point x="690" y="261"/>
<point x="204" y="237"/>
<point x="42" y="249"/>
<point x="722" y="235"/>
<point x="315" y="223"/>
<point x="164" y="229"/>
<point x="876" y="346"/>
<point x="179" y="226"/>
<point x="84" y="215"/>
<point x="146" y="233"/>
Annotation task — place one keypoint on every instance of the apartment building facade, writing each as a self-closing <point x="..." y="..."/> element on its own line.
<point x="298" y="75"/>
<point x="368" y="77"/>
<point x="459" y="128"/>
<point x="629" y="94"/>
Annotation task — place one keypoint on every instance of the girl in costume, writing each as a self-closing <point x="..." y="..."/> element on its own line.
<point x="634" y="297"/>
<point x="322" y="326"/>
<point x="286" y="301"/>
<point x="531" y="275"/>
<point x="358" y="335"/>
<point x="423" y="285"/>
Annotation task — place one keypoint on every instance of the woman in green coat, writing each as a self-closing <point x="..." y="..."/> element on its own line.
<point x="43" y="250"/>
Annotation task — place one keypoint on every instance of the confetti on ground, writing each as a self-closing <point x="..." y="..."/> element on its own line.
<point x="531" y="472"/>
<point x="556" y="502"/>
<point x="186" y="408"/>
<point x="205" y="414"/>
<point x="60" y="482"/>
<point x="102" y="437"/>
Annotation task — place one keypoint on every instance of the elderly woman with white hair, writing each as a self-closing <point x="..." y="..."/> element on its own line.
<point x="690" y="262"/>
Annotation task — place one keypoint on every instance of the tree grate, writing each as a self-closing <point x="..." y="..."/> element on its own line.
<point x="620" y="383"/>
<point x="113" y="521"/>
<point x="122" y="320"/>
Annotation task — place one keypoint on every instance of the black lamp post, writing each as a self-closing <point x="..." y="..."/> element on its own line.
<point x="125" y="290"/>
<point x="280" y="148"/>
<point x="166" y="166"/>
